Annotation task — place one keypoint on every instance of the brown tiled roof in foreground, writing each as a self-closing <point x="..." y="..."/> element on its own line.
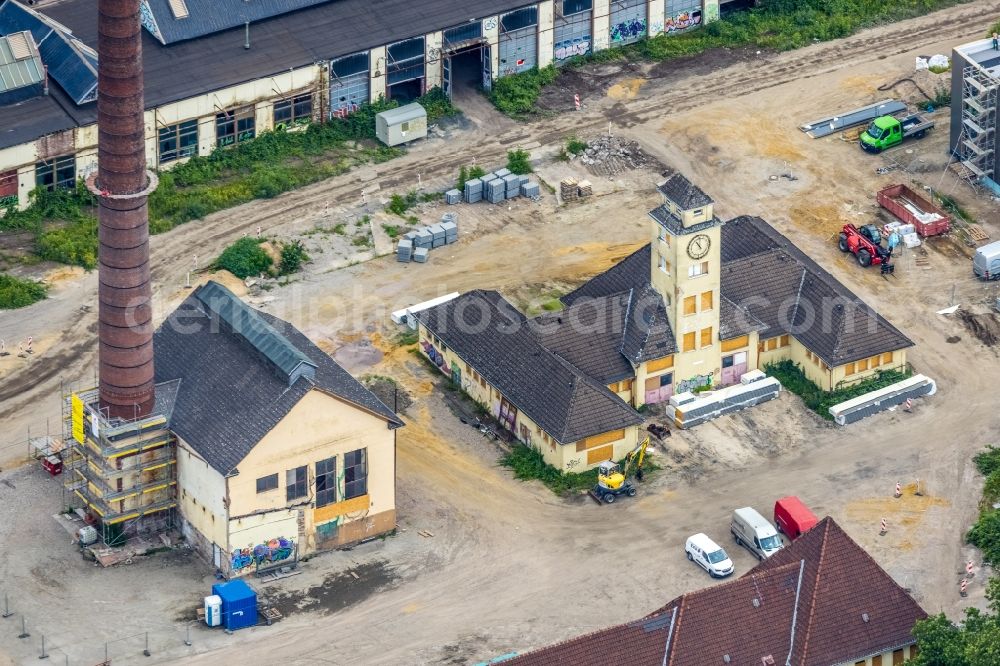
<point x="809" y="601"/>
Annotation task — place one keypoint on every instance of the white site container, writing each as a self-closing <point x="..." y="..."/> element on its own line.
<point x="401" y="125"/>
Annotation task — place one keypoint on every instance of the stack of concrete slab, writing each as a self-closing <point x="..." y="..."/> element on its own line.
<point x="512" y="185"/>
<point x="423" y="238"/>
<point x="452" y="197"/>
<point x="529" y="189"/>
<point x="473" y="190"/>
<point x="501" y="173"/>
<point x="450" y="231"/>
<point x="486" y="178"/>
<point x="496" y="190"/>
<point x="437" y="234"/>
<point x="420" y="255"/>
<point x="404" y="250"/>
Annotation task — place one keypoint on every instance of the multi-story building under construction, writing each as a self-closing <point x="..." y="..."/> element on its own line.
<point x="975" y="82"/>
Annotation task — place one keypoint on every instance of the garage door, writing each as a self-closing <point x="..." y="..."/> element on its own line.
<point x="681" y="15"/>
<point x="518" y="41"/>
<point x="405" y="61"/>
<point x="572" y="30"/>
<point x="349" y="84"/>
<point x="628" y="21"/>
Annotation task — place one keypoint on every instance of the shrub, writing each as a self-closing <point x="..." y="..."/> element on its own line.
<point x="437" y="105"/>
<point x="476" y="172"/>
<point x="988" y="461"/>
<point x="528" y="463"/>
<point x="985" y="535"/>
<point x="519" y="161"/>
<point x="575" y="145"/>
<point x="516" y="95"/>
<point x="400" y="203"/>
<point x="463" y="176"/>
<point x="244" y="258"/>
<point x="293" y="255"/>
<point x="794" y="379"/>
<point x="18" y="293"/>
<point x="391" y="230"/>
<point x="74" y="244"/>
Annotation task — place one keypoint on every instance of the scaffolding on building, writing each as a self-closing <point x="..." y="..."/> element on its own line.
<point x="977" y="140"/>
<point x="120" y="474"/>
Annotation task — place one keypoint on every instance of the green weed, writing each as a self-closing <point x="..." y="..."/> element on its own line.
<point x="519" y="161"/>
<point x="244" y="258"/>
<point x="794" y="379"/>
<point x="18" y="293"/>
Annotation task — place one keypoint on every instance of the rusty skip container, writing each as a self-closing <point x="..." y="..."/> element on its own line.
<point x="911" y="208"/>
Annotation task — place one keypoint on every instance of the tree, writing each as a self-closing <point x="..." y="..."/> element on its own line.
<point x="941" y="643"/>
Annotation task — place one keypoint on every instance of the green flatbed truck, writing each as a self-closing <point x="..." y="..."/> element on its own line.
<point x="886" y="131"/>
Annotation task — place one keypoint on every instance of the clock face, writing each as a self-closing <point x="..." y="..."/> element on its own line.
<point x="699" y="245"/>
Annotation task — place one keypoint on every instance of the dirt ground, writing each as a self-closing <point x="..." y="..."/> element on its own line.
<point x="509" y="566"/>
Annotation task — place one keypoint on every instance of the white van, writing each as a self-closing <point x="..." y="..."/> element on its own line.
<point x="708" y="555"/>
<point x="986" y="263"/>
<point x="752" y="530"/>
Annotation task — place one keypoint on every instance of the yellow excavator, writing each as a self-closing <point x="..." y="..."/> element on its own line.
<point x="612" y="477"/>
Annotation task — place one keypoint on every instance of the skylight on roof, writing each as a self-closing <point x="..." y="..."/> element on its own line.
<point x="19" y="46"/>
<point x="179" y="9"/>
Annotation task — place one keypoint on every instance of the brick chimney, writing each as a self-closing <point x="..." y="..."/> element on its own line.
<point x="122" y="185"/>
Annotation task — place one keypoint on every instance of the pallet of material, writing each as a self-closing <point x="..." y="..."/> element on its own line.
<point x="452" y="197"/>
<point x="585" y="188"/>
<point x="977" y="234"/>
<point x="569" y="189"/>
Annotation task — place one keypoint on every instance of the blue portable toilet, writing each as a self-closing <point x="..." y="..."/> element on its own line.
<point x="239" y="604"/>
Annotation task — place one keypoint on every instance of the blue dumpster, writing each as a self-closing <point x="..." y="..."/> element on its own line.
<point x="239" y="604"/>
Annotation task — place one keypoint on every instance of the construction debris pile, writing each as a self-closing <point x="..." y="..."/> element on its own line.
<point x="612" y="155"/>
<point x="495" y="187"/>
<point x="417" y="244"/>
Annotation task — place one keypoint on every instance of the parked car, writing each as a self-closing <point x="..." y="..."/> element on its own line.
<point x="708" y="555"/>
<point x="793" y="517"/>
<point x="986" y="263"/>
<point x="751" y="530"/>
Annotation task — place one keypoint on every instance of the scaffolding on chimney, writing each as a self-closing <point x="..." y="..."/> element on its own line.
<point x="979" y="117"/>
<point x="123" y="474"/>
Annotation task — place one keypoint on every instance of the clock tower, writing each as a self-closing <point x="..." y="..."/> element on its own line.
<point x="685" y="270"/>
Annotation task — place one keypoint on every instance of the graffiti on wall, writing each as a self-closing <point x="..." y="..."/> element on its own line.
<point x="263" y="554"/>
<point x="436" y="358"/>
<point x="628" y="30"/>
<point x="682" y="21"/>
<point x="698" y="381"/>
<point x="572" y="47"/>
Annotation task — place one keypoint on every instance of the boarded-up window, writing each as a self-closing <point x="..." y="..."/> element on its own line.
<point x="735" y="343"/>
<point x="597" y="440"/>
<point x="688" y="342"/>
<point x="626" y="384"/>
<point x="772" y="344"/>
<point x="876" y="361"/>
<point x="595" y="456"/>
<point x="897" y="657"/>
<point x="862" y="365"/>
<point x="690" y="305"/>
<point x="8" y="184"/>
<point x="706" y="300"/>
<point x="660" y="364"/>
<point x="849" y="369"/>
<point x="877" y="660"/>
<point x="887" y="358"/>
<point x="784" y="341"/>
<point x="706" y="337"/>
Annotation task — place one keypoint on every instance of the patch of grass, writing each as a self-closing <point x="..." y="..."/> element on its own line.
<point x="794" y="379"/>
<point x="364" y="220"/>
<point x="552" y="305"/>
<point x="244" y="258"/>
<point x="527" y="463"/>
<point x="400" y="203"/>
<point x="361" y="240"/>
<point x="951" y="206"/>
<point x="18" y="293"/>
<point x="516" y="95"/>
<point x="778" y="25"/>
<point x="74" y="243"/>
<point x="391" y="230"/>
<point x="427" y="197"/>
<point x="407" y="337"/>
<point x="519" y="161"/>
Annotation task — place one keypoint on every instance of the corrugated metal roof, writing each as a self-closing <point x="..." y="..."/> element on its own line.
<point x="70" y="62"/>
<point x="403" y="114"/>
<point x="20" y="64"/>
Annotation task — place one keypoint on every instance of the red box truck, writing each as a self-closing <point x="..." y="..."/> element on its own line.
<point x="792" y="517"/>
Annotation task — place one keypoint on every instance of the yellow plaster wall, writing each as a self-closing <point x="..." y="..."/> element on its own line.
<point x="201" y="495"/>
<point x="320" y="426"/>
<point x="545" y="32"/>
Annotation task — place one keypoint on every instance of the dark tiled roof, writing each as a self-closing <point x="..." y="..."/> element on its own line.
<point x="630" y="273"/>
<point x="790" y="293"/>
<point x="208" y="16"/>
<point x="648" y="334"/>
<point x="296" y="39"/>
<point x="770" y="285"/>
<point x="667" y="219"/>
<point x="752" y="617"/>
<point x="735" y="320"/>
<point x="588" y="334"/>
<point x="490" y="335"/>
<point x="230" y="396"/>
<point x="683" y="192"/>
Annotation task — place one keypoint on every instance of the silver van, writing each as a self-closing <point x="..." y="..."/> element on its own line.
<point x="750" y="529"/>
<point x="986" y="263"/>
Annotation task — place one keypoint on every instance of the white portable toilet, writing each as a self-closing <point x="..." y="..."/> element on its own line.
<point x="213" y="610"/>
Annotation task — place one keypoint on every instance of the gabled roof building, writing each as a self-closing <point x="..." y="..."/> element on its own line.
<point x="821" y="601"/>
<point x="698" y="307"/>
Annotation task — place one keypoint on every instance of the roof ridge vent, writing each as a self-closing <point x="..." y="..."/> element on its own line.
<point x="179" y="9"/>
